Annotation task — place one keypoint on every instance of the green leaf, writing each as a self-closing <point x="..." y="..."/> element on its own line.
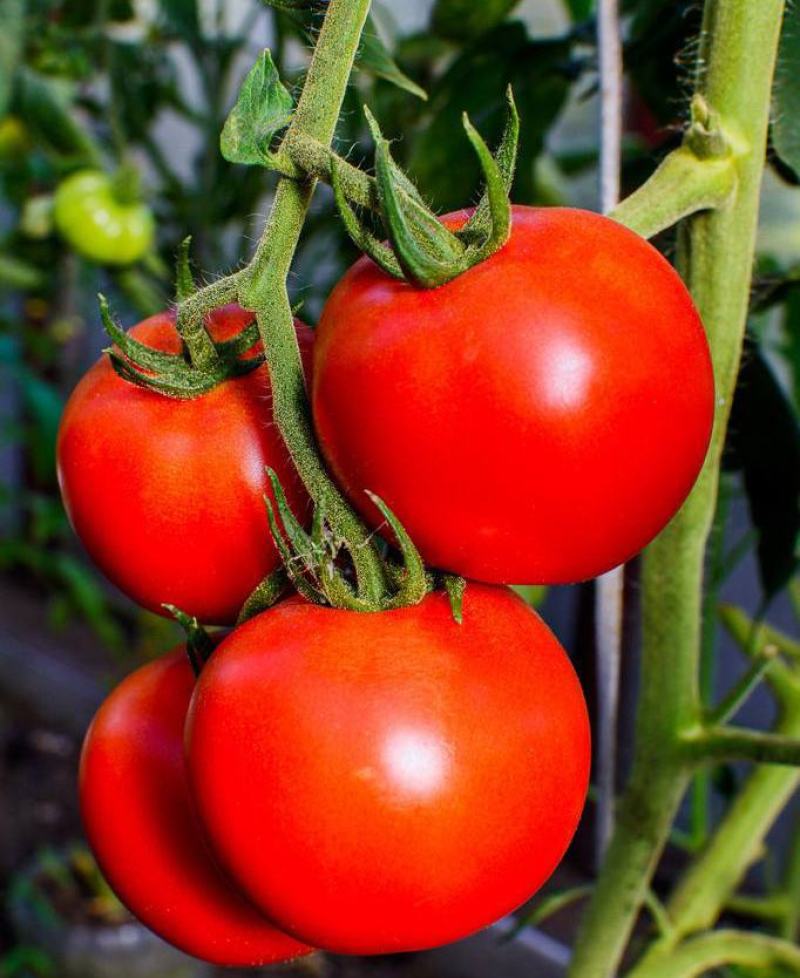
<point x="12" y="30"/>
<point x="374" y="58"/>
<point x="181" y="17"/>
<point x="580" y="10"/>
<point x="263" y="108"/>
<point x="46" y="106"/>
<point x="476" y="83"/>
<point x="764" y="442"/>
<point x="464" y="20"/>
<point x="786" y="93"/>
<point x="88" y="599"/>
<point x="16" y="274"/>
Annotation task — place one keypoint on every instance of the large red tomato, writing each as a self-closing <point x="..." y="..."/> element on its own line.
<point x="393" y="781"/>
<point x="167" y="495"/>
<point x="139" y="820"/>
<point x="537" y="420"/>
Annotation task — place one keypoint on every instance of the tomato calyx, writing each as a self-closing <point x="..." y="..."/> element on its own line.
<point x="174" y="374"/>
<point x="313" y="564"/>
<point x="420" y="249"/>
<point x="316" y="565"/>
<point x="203" y="364"/>
<point x="199" y="643"/>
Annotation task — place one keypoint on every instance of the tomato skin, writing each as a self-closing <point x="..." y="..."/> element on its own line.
<point x="167" y="495"/>
<point x="537" y="420"/>
<point x="97" y="225"/>
<point x="139" y="821"/>
<point x="393" y="781"/>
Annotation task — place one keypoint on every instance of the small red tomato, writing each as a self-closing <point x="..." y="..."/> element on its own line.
<point x="167" y="495"/>
<point x="392" y="781"/>
<point x="139" y="821"/>
<point x="537" y="420"/>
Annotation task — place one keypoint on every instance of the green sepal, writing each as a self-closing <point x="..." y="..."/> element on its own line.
<point x="264" y="596"/>
<point x="374" y="58"/>
<point x="338" y="593"/>
<point x="144" y="356"/>
<point x="479" y="226"/>
<point x="423" y="249"/>
<point x="234" y="348"/>
<point x="180" y="385"/>
<point x="362" y="238"/>
<point x="428" y="253"/>
<point x="300" y="584"/>
<point x="304" y="548"/>
<point x="199" y="644"/>
<point x="455" y="588"/>
<point x="497" y="196"/>
<point x="404" y="182"/>
<point x="264" y="107"/>
<point x="184" y="280"/>
<point x="413" y="584"/>
<point x="183" y="383"/>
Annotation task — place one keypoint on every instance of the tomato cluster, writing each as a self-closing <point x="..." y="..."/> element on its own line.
<point x="388" y="781"/>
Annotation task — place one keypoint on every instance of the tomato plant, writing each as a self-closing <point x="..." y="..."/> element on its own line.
<point x="538" y="419"/>
<point x="98" y="223"/>
<point x="386" y="743"/>
<point x="139" y="820"/>
<point x="167" y="494"/>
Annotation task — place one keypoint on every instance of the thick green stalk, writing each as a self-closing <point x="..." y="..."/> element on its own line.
<point x="705" y="888"/>
<point x="682" y="185"/>
<point x="265" y="289"/>
<point x="739" y="60"/>
<point x="709" y="951"/>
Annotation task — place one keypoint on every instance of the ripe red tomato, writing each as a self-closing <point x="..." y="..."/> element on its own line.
<point x="167" y="495"/>
<point x="537" y="420"/>
<point x="393" y="781"/>
<point x="140" y="823"/>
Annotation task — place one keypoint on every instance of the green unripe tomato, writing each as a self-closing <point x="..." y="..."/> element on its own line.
<point x="100" y="225"/>
<point x="14" y="138"/>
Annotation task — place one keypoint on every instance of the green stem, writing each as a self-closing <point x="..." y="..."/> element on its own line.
<point x="743" y="689"/>
<point x="264" y="289"/>
<point x="791" y="896"/>
<point x="306" y="155"/>
<point x="709" y="951"/>
<point x="741" y="628"/>
<point x="682" y="185"/>
<point x="738" y="842"/>
<point x="770" y="908"/>
<point x="737" y="744"/>
<point x="700" y="794"/>
<point x="736" y="80"/>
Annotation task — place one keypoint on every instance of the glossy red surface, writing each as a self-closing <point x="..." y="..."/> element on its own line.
<point x="140" y="824"/>
<point x="392" y="781"/>
<point x="537" y="420"/>
<point x="167" y="495"/>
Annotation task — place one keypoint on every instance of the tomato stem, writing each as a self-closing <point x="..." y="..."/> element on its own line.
<point x="735" y="69"/>
<point x="263" y="288"/>
<point x="683" y="184"/>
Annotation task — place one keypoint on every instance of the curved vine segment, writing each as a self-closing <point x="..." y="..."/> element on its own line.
<point x="421" y="250"/>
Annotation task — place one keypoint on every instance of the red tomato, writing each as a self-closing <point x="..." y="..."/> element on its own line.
<point x="167" y="495"/>
<point x="140" y="824"/>
<point x="394" y="781"/>
<point x="537" y="420"/>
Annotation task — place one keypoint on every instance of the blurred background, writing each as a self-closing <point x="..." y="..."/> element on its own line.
<point x="140" y="89"/>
